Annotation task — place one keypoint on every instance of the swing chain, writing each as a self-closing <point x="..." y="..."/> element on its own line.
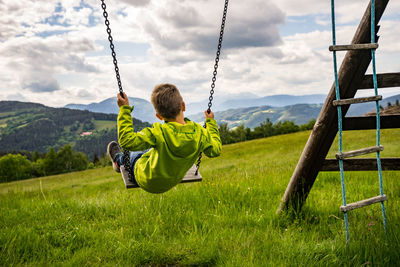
<point x="221" y="35"/>
<point x="126" y="159"/>
<point x="214" y="78"/>
<point x="110" y="39"/>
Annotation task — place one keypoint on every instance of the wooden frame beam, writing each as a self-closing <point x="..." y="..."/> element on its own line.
<point x="362" y="164"/>
<point x="351" y="73"/>
<point x="384" y="80"/>
<point x="369" y="122"/>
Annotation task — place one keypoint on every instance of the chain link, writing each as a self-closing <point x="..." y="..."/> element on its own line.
<point x="215" y="72"/>
<point x="126" y="158"/>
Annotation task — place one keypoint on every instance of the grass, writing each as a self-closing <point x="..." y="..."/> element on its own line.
<point x="103" y="125"/>
<point x="88" y="218"/>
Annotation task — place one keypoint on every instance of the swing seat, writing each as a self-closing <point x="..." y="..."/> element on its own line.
<point x="190" y="177"/>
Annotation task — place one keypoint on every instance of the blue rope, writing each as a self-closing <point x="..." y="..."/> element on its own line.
<point x="340" y="122"/>
<point x="378" y="121"/>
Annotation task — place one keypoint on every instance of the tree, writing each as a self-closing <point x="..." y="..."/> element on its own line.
<point x="64" y="159"/>
<point x="285" y="127"/>
<point x="265" y="129"/>
<point x="307" y="126"/>
<point x="50" y="162"/>
<point x="225" y="134"/>
<point x="397" y="103"/>
<point x="80" y="162"/>
<point x="95" y="159"/>
<point x="38" y="168"/>
<point x="239" y="133"/>
<point x="14" y="167"/>
<point x="35" y="156"/>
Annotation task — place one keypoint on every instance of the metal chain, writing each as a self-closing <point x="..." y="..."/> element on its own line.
<point x="221" y="36"/>
<point x="214" y="78"/>
<point x="126" y="158"/>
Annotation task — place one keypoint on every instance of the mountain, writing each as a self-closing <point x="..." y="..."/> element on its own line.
<point x="31" y="126"/>
<point x="143" y="111"/>
<point x="253" y="116"/>
<point x="299" y="113"/>
<point x="250" y="100"/>
<point x="217" y="103"/>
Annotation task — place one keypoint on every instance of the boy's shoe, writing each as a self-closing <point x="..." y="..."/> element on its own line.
<point x="112" y="152"/>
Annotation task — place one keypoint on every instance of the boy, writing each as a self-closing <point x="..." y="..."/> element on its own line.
<point x="165" y="152"/>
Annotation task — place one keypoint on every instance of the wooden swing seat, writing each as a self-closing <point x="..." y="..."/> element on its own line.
<point x="190" y="177"/>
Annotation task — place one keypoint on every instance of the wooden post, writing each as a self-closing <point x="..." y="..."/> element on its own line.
<point x="351" y="74"/>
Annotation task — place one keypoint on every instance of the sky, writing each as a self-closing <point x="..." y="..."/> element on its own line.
<point x="56" y="52"/>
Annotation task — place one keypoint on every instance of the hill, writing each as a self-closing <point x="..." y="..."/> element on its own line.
<point x="89" y="218"/>
<point x="144" y="110"/>
<point x="234" y="101"/>
<point x="31" y="126"/>
<point x="253" y="116"/>
<point x="299" y="113"/>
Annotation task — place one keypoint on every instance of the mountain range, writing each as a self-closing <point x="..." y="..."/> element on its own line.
<point x="247" y="109"/>
<point x="252" y="116"/>
<point x="144" y="109"/>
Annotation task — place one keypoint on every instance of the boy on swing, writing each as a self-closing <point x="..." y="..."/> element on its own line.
<point x="165" y="152"/>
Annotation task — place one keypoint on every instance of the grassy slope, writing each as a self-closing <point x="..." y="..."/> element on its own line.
<point x="228" y="219"/>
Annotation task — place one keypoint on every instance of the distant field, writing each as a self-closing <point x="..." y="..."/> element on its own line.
<point x="102" y="125"/>
<point x="88" y="218"/>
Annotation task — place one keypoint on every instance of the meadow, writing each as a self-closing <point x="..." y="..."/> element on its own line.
<point x="229" y="219"/>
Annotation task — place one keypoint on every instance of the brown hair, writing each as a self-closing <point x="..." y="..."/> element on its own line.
<point x="167" y="100"/>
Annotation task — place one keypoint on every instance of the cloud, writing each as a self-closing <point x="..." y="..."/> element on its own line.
<point x="57" y="51"/>
<point x="137" y="3"/>
<point x="194" y="27"/>
<point x="40" y="83"/>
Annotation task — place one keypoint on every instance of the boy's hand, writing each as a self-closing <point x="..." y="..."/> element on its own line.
<point x="122" y="101"/>
<point x="209" y="115"/>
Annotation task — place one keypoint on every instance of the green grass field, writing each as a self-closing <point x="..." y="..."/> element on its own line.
<point x="88" y="218"/>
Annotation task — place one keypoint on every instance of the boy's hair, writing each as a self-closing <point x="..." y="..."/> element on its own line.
<point x="167" y="100"/>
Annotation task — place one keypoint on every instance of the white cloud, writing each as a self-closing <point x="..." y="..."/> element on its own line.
<point x="58" y="53"/>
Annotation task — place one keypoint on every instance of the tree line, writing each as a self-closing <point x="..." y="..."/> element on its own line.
<point x="265" y="129"/>
<point x="17" y="166"/>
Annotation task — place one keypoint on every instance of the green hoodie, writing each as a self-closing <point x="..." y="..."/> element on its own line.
<point x="175" y="149"/>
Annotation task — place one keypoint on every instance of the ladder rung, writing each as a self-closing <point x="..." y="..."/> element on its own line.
<point x="353" y="47"/>
<point x="363" y="203"/>
<point x="358" y="152"/>
<point x="349" y="101"/>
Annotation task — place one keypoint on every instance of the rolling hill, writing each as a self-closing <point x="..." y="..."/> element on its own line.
<point x="243" y="109"/>
<point x="31" y="126"/>
<point x="299" y="113"/>
<point x="253" y="116"/>
<point x="89" y="218"/>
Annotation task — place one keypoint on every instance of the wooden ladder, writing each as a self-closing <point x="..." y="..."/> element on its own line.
<point x="351" y="78"/>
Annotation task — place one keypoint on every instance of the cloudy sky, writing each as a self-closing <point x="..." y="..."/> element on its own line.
<point x="56" y="52"/>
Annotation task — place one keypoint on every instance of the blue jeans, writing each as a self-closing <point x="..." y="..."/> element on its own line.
<point x="133" y="157"/>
